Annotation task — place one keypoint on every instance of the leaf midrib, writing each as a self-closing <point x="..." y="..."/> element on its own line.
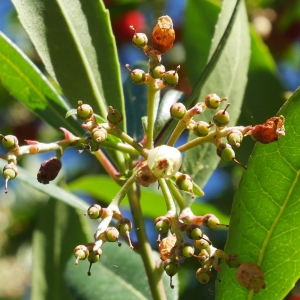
<point x="274" y="224"/>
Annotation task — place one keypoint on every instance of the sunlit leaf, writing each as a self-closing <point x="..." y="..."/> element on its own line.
<point x="75" y="41"/>
<point x="25" y="82"/>
<point x="264" y="225"/>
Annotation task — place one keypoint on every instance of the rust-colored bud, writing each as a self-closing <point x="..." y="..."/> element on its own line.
<point x="49" y="170"/>
<point x="270" y="131"/>
<point x="163" y="34"/>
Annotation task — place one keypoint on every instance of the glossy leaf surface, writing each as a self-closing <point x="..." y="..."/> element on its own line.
<point x="264" y="226"/>
<point x="26" y="83"/>
<point x="75" y="41"/>
<point x="53" y="243"/>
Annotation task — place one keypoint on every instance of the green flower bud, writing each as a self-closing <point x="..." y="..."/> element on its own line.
<point x="177" y="110"/>
<point x="203" y="275"/>
<point x="235" y="137"/>
<point x="94" y="211"/>
<point x="139" y="40"/>
<point x="202" y="128"/>
<point x="84" y="111"/>
<point x="99" y="134"/>
<point x="194" y="232"/>
<point x="81" y="252"/>
<point x="162" y="224"/>
<point x="10" y="142"/>
<point x="185" y="182"/>
<point x="157" y="71"/>
<point x="221" y="118"/>
<point x="170" y="78"/>
<point x="114" y="117"/>
<point x="213" y="101"/>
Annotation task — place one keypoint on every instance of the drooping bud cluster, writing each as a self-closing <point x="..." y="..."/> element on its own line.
<point x="93" y="250"/>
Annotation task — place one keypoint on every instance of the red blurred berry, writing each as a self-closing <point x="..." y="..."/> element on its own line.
<point x="121" y="25"/>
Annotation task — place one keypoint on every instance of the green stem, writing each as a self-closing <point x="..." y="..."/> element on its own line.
<point x="167" y="195"/>
<point x="212" y="137"/>
<point x="121" y="147"/>
<point x="180" y="127"/>
<point x="153" y="88"/>
<point x="153" y="274"/>
<point x="127" y="139"/>
<point x="176" y="194"/>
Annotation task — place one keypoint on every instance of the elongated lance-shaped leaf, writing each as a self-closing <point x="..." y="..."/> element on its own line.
<point x="60" y="228"/>
<point x="26" y="83"/>
<point x="75" y="41"/>
<point x="226" y="75"/>
<point x="264" y="226"/>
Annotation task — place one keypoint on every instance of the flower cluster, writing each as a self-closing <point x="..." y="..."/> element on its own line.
<point x="149" y="164"/>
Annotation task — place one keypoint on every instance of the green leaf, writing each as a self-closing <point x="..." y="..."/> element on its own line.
<point x="51" y="189"/>
<point x="53" y="243"/>
<point x="226" y="75"/>
<point x="264" y="93"/>
<point x="198" y="30"/>
<point x="264" y="226"/>
<point x="26" y="83"/>
<point x="118" y="275"/>
<point x="75" y="41"/>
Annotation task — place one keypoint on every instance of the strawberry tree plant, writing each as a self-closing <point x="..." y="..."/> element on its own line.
<point x="139" y="149"/>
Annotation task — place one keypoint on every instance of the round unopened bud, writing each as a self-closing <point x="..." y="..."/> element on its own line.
<point x="171" y="269"/>
<point x="49" y="170"/>
<point x="226" y="152"/>
<point x="139" y="39"/>
<point x="164" y="161"/>
<point x="235" y="137"/>
<point x="185" y="182"/>
<point x="124" y="225"/>
<point x="84" y="111"/>
<point x="213" y="101"/>
<point x="162" y="224"/>
<point x="202" y="128"/>
<point x="114" y="117"/>
<point x="210" y="221"/>
<point x="138" y="76"/>
<point x="94" y="211"/>
<point x="112" y="234"/>
<point x="221" y="118"/>
<point x="202" y="243"/>
<point x="170" y="78"/>
<point x="10" y="142"/>
<point x="157" y="71"/>
<point x="10" y="171"/>
<point x="81" y="252"/>
<point x="99" y="134"/>
<point x="194" y="232"/>
<point x="177" y="110"/>
<point x="185" y="250"/>
<point x="203" y="275"/>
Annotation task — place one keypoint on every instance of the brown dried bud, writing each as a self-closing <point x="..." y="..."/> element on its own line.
<point x="144" y="175"/>
<point x="163" y="34"/>
<point x="49" y="170"/>
<point x="250" y="276"/>
<point x="166" y="247"/>
<point x="270" y="131"/>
